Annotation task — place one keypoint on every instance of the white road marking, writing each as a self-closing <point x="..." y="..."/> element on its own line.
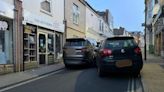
<point x="11" y="87"/>
<point x="129" y="84"/>
<point x="132" y="85"/>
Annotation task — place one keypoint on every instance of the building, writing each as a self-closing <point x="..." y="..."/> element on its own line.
<point x="154" y="14"/>
<point x="96" y="27"/>
<point x="149" y="30"/>
<point x="10" y="35"/>
<point x="138" y="36"/>
<point x="107" y="16"/>
<point x="120" y="32"/>
<point x="43" y="32"/>
<point x="75" y="13"/>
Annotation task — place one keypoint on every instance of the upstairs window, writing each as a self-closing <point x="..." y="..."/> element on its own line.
<point x="46" y="6"/>
<point x="75" y="14"/>
<point x="156" y="1"/>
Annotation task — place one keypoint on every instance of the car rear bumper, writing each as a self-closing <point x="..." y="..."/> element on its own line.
<point x="112" y="67"/>
<point x="75" y="61"/>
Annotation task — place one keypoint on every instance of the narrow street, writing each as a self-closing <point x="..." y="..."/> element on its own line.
<point x="81" y="80"/>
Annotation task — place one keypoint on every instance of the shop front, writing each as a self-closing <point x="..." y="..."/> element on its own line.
<point x="6" y="59"/>
<point x="6" y="38"/>
<point x="47" y="35"/>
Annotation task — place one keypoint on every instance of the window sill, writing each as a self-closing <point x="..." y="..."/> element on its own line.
<point x="76" y="24"/>
<point x="45" y="12"/>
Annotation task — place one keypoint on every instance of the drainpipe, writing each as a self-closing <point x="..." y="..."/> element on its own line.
<point x="145" y="58"/>
<point x="65" y="21"/>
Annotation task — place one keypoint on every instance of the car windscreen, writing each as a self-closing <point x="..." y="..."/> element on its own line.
<point x="75" y="42"/>
<point x="118" y="43"/>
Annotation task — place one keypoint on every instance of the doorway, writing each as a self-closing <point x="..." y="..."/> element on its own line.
<point x="46" y="48"/>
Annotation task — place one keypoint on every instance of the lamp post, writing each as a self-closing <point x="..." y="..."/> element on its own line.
<point x="145" y="54"/>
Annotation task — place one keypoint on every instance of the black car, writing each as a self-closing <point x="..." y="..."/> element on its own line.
<point x="78" y="51"/>
<point x="119" y="54"/>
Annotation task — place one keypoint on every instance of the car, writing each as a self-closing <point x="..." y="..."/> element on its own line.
<point x="78" y="51"/>
<point x="119" y="54"/>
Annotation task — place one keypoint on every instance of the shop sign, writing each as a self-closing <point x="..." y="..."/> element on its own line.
<point x="6" y="10"/>
<point x="3" y="25"/>
<point x="43" y="22"/>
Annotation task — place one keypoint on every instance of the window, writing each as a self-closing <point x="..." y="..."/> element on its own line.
<point x="156" y="1"/>
<point x="5" y="44"/>
<point x="50" y="43"/>
<point x="42" y="43"/>
<point x="46" y="6"/>
<point x="75" y="14"/>
<point x="100" y="25"/>
<point x="75" y="42"/>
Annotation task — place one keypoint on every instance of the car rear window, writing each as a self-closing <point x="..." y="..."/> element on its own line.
<point x="75" y="42"/>
<point x="118" y="43"/>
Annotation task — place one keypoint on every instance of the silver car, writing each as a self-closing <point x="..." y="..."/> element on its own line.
<point x="78" y="51"/>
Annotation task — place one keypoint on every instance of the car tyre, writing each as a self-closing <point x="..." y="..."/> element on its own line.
<point x="136" y="74"/>
<point x="67" y="66"/>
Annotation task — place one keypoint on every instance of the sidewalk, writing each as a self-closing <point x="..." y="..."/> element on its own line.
<point x="14" y="78"/>
<point x="153" y="74"/>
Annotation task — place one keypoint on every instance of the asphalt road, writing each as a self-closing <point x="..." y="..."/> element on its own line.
<point x="81" y="80"/>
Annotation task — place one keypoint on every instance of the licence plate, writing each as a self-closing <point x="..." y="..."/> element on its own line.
<point x="123" y="63"/>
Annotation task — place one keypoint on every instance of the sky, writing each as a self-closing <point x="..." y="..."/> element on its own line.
<point x="126" y="13"/>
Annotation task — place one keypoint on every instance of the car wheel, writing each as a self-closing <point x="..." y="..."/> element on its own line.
<point x="67" y="66"/>
<point x="100" y="72"/>
<point x="136" y="74"/>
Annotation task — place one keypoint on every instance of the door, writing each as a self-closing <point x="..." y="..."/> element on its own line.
<point x="46" y="48"/>
<point x="42" y="48"/>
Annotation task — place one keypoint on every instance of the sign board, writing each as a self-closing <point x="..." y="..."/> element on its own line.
<point x="3" y="25"/>
<point x="6" y="9"/>
<point x="42" y="21"/>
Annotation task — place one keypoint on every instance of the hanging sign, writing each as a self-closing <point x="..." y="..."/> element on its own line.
<point x="3" y="25"/>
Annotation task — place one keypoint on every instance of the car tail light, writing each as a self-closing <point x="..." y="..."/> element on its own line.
<point x="106" y="52"/>
<point x="84" y="50"/>
<point x="137" y="50"/>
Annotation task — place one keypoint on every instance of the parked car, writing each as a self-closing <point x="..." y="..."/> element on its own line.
<point x="119" y="54"/>
<point x="78" y="51"/>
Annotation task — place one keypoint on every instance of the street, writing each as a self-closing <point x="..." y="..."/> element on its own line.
<point x="81" y="80"/>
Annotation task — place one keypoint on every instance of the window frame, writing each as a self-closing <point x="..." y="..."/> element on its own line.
<point x="43" y="10"/>
<point x="75" y="14"/>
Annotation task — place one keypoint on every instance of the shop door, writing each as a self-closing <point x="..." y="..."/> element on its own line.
<point x="42" y="48"/>
<point x="46" y="48"/>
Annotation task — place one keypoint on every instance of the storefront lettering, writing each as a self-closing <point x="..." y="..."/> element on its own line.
<point x="2" y="12"/>
<point x="3" y="25"/>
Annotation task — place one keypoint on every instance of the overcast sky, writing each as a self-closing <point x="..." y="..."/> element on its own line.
<point x="126" y="13"/>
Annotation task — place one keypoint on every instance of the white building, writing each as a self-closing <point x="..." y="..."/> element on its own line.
<point x="96" y="27"/>
<point x="43" y="30"/>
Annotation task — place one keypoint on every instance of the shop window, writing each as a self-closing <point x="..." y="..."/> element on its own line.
<point x="5" y="46"/>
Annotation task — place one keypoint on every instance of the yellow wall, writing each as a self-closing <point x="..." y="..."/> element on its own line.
<point x="72" y="33"/>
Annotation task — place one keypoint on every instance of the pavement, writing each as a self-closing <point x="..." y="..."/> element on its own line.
<point x="15" y="78"/>
<point x="153" y="73"/>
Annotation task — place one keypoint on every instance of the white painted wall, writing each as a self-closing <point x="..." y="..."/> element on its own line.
<point x="92" y="24"/>
<point x="53" y="20"/>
